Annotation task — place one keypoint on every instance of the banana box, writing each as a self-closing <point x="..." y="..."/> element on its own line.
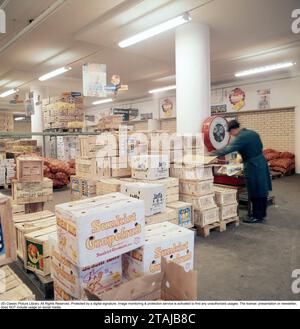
<point x="154" y="196"/>
<point x="97" y="229"/>
<point x="167" y="240"/>
<point x="150" y="167"/>
<point x="74" y="280"/>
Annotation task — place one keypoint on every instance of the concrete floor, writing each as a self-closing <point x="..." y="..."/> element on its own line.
<point x="253" y="261"/>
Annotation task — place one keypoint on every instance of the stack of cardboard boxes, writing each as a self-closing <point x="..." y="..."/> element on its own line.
<point x="196" y="187"/>
<point x="66" y="148"/>
<point x="7" y="171"/>
<point x="31" y="188"/>
<point x="6" y="121"/>
<point x="92" y="236"/>
<point x="102" y="242"/>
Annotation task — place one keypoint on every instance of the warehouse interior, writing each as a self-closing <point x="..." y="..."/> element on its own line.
<point x="71" y="74"/>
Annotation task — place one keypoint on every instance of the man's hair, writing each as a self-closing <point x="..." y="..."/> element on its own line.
<point x="233" y="124"/>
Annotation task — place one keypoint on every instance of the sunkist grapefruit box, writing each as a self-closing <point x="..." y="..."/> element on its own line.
<point x="161" y="240"/>
<point x="97" y="229"/>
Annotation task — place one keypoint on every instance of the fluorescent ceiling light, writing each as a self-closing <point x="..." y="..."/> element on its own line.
<point x="263" y="69"/>
<point x="55" y="73"/>
<point x="103" y="101"/>
<point x="168" y="25"/>
<point x="158" y="90"/>
<point x="9" y="92"/>
<point x="20" y="118"/>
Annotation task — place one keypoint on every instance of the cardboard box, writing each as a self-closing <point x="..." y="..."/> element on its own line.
<point x="98" y="278"/>
<point x="100" y="228"/>
<point x="150" y="167"/>
<point x="161" y="240"/>
<point x="196" y="187"/>
<point x="154" y="196"/>
<point x="30" y="169"/>
<point x="184" y="213"/>
<point x="172" y="283"/>
<point x="200" y="202"/>
<point x="206" y="217"/>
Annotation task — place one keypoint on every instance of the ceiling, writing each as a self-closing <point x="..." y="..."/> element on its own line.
<point x="244" y="34"/>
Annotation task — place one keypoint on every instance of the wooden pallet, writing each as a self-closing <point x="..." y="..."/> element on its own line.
<point x="218" y="226"/>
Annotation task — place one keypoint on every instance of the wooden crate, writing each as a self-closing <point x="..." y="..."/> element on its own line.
<point x="196" y="187"/>
<point x="170" y="215"/>
<point x="93" y="168"/>
<point x="41" y="220"/>
<point x="12" y="288"/>
<point x="18" y="208"/>
<point x="225" y="196"/>
<point x="38" y="250"/>
<point x="190" y="172"/>
<point x="206" y="217"/>
<point x="30" y="192"/>
<point x="108" y="185"/>
<point x="30" y="169"/>
<point x="7" y="246"/>
<point x="228" y="211"/>
<point x="184" y="211"/>
<point x="199" y="202"/>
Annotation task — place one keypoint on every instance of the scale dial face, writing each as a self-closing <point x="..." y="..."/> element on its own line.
<point x="215" y="133"/>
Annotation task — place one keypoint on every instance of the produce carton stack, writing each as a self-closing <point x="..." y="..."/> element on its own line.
<point x="22" y="146"/>
<point x="30" y="188"/>
<point x="150" y="182"/>
<point x="92" y="235"/>
<point x="196" y="187"/>
<point x="226" y="199"/>
<point x="161" y="240"/>
<point x="64" y="112"/>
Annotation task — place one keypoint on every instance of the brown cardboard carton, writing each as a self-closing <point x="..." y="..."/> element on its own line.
<point x="172" y="283"/>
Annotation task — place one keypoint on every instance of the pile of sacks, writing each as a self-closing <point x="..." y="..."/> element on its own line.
<point x="283" y="162"/>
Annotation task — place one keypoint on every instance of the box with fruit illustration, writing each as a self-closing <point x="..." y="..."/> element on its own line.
<point x="100" y="228"/>
<point x="38" y="250"/>
<point x="161" y="240"/>
<point x="97" y="278"/>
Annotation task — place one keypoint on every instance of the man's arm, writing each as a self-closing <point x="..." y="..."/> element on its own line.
<point x="235" y="146"/>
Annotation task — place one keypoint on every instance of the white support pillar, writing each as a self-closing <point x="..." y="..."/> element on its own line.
<point x="37" y="124"/>
<point x="192" y="77"/>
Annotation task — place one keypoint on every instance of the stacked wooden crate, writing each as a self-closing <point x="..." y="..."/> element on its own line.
<point x="226" y="199"/>
<point x="31" y="188"/>
<point x="22" y="146"/>
<point x="196" y="188"/>
<point x="82" y="187"/>
<point x="27" y="223"/>
<point x="6" y="121"/>
<point x="64" y="112"/>
<point x="12" y="288"/>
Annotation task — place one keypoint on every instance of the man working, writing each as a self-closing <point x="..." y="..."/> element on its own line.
<point x="256" y="169"/>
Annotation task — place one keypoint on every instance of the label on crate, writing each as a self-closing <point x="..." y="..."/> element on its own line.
<point x="35" y="255"/>
<point x="185" y="216"/>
